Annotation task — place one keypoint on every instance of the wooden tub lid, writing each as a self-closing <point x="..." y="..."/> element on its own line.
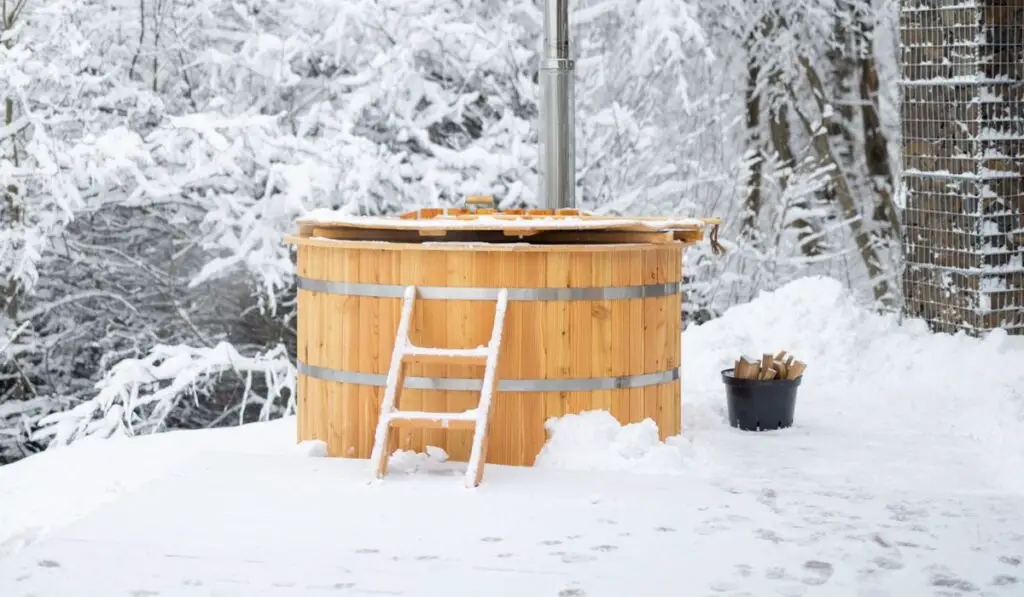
<point x="493" y="226"/>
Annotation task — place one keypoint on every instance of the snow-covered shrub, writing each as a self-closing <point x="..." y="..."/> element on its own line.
<point x="167" y="146"/>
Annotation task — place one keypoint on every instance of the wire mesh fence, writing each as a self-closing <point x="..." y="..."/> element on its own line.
<point x="963" y="135"/>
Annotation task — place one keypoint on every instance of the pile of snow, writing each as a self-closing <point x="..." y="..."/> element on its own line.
<point x="870" y="377"/>
<point x="867" y="372"/>
<point x="595" y="440"/>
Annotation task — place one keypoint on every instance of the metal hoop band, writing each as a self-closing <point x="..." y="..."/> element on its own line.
<point x="505" y="385"/>
<point x="490" y="294"/>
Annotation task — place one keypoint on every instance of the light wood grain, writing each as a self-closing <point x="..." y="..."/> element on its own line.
<point x="543" y="340"/>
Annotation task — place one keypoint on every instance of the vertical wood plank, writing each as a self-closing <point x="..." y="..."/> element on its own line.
<point x="350" y="350"/>
<point x="532" y="347"/>
<point x="486" y="273"/>
<point x="637" y="333"/>
<point x="411" y="269"/>
<point x="506" y="442"/>
<point x="601" y="347"/>
<point x="556" y="339"/>
<point x="369" y="345"/>
<point x="581" y="322"/>
<point x="389" y="310"/>
<point x="334" y="341"/>
<point x="459" y="315"/>
<point x="620" y="346"/>
<point x="433" y="272"/>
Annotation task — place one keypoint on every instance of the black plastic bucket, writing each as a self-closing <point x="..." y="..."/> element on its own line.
<point x="760" y="405"/>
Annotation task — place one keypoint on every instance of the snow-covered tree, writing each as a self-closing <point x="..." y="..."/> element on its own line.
<point x="156" y="151"/>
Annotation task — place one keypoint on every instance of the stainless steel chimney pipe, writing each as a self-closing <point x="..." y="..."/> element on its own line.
<point x="557" y="115"/>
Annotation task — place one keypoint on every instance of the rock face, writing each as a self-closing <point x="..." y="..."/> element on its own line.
<point x="963" y="170"/>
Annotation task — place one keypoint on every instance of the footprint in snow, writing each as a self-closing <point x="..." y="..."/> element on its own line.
<point x="818" y="572"/>
<point x="943" y="578"/>
<point x="605" y="547"/>
<point x="664" y="529"/>
<point x="367" y="550"/>
<point x="1005" y="580"/>
<point x="1011" y="560"/>
<point x="886" y="563"/>
<point x="951" y="582"/>
<point x="550" y="542"/>
<point x="723" y="586"/>
<point x="768" y="535"/>
<point x="572" y="592"/>
<point x="491" y="539"/>
<point x="576" y="558"/>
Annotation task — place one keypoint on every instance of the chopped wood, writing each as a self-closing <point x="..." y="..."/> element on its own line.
<point x="766" y="364"/>
<point x="746" y="369"/>
<point x="796" y="370"/>
<point x="780" y="366"/>
<point x="479" y="200"/>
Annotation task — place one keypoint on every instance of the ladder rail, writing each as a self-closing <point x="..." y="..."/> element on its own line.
<point x="394" y="381"/>
<point x="477" y="454"/>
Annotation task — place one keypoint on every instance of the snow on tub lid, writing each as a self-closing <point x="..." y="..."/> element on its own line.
<point x="566" y="226"/>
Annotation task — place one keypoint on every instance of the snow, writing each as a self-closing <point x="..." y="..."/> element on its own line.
<point x="899" y="477"/>
<point x="327" y="217"/>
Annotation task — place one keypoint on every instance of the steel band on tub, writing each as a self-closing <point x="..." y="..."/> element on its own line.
<point x="584" y="384"/>
<point x="490" y="294"/>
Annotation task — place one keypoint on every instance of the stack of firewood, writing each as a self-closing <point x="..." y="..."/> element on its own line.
<point x="780" y="366"/>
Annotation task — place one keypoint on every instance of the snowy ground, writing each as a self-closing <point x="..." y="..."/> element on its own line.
<point x="903" y="476"/>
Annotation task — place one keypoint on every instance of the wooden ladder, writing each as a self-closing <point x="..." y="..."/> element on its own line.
<point x="476" y="419"/>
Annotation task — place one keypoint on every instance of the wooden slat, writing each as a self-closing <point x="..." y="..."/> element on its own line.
<point x="602" y="347"/>
<point x="532" y="273"/>
<point x="368" y="358"/>
<point x="349" y="316"/>
<point x="581" y="321"/>
<point x="462" y="333"/>
<point x="506" y="433"/>
<point x="557" y="342"/>
<point x="637" y="333"/>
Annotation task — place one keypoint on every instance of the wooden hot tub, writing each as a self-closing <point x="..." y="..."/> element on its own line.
<point x="593" y="322"/>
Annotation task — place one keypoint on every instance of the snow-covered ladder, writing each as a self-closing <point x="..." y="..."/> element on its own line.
<point x="476" y="419"/>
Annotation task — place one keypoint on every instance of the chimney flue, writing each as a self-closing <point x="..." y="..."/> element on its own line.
<point x="557" y="114"/>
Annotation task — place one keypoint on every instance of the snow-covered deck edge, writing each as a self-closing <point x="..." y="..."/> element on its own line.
<point x="331" y="218"/>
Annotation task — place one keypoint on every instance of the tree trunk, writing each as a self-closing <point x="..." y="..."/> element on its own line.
<point x="752" y="208"/>
<point x="876" y="146"/>
<point x="862" y="234"/>
<point x="843" y="59"/>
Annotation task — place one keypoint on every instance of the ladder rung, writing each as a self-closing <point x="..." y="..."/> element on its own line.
<point x="425" y="420"/>
<point x="446" y="356"/>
